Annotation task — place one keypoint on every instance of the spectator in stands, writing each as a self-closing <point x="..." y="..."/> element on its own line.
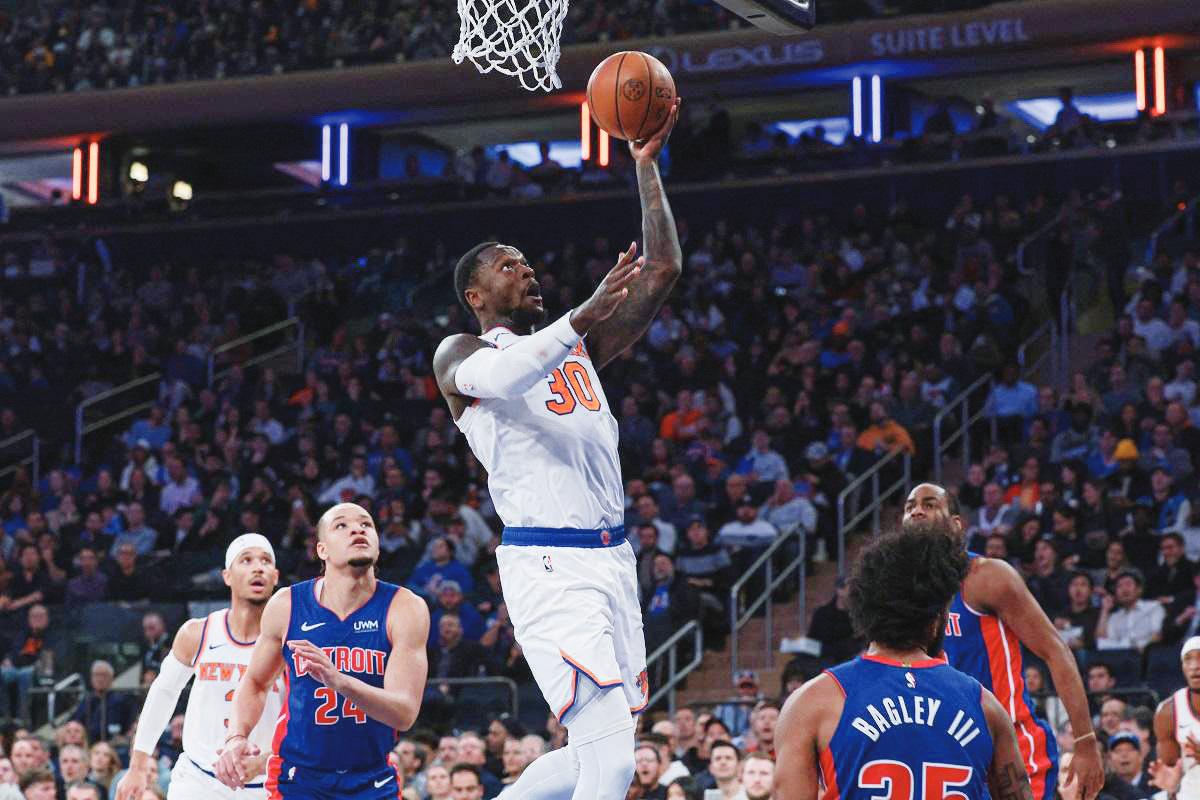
<point x="437" y="782"/>
<point x="1078" y="620"/>
<point x="725" y="769"/>
<point x="72" y="764"/>
<point x="1048" y="583"/>
<point x="90" y="585"/>
<point x="472" y="753"/>
<point x="1135" y="623"/>
<point x="735" y="715"/>
<point x="453" y="656"/>
<point x="107" y="714"/>
<point x="90" y="791"/>
<point x="20" y="662"/>
<point x="785" y="509"/>
<point x="758" y="776"/>
<point x="1012" y="401"/>
<point x="669" y="604"/>
<point x="648" y="768"/>
<point x="30" y="581"/>
<point x="746" y="529"/>
<point x="994" y="516"/>
<point x="137" y="532"/>
<point x="427" y="578"/>
<point x="1173" y="582"/>
<point x="1163" y="453"/>
<point x="884" y="434"/>
<point x="1125" y="761"/>
<point x="1170" y="510"/>
<point x="356" y="482"/>
<point x="763" y="464"/>
<point x="179" y="491"/>
<point x="127" y="581"/>
<point x="648" y="514"/>
<point x="1077" y="441"/>
<point x="156" y="644"/>
<point x="155" y="431"/>
<point x="450" y="601"/>
<point x="832" y="628"/>
<point x="103" y="764"/>
<point x="38" y="784"/>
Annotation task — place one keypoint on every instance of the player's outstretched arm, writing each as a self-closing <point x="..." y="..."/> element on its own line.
<point x="1007" y="778"/>
<point x="1001" y="590"/>
<point x="664" y="258"/>
<point x="397" y="703"/>
<point x="1167" y="746"/>
<point x="251" y="695"/>
<point x="161" y="699"/>
<point x="802" y="729"/>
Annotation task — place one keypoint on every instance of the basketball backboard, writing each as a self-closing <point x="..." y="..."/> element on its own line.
<point x="777" y="16"/>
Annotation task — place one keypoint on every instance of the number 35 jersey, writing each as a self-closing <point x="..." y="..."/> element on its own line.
<point x="907" y="732"/>
<point x="551" y="454"/>
<point x="320" y="729"/>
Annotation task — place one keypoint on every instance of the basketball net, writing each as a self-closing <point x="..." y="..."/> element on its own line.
<point x="515" y="37"/>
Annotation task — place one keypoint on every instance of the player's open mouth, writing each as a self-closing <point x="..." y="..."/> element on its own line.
<point x="534" y="291"/>
<point x="258" y="584"/>
<point x="360" y="542"/>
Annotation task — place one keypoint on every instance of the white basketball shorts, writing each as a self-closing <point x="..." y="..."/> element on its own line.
<point x="576" y="614"/>
<point x="190" y="782"/>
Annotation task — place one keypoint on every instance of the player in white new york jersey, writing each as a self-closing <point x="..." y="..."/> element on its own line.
<point x="216" y="650"/>
<point x="1177" y="729"/>
<point x="531" y="407"/>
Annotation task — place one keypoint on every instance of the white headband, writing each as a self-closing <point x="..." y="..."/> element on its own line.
<point x="245" y="542"/>
<point x="1189" y="646"/>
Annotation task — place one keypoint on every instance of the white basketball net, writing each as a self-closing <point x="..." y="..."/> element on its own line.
<point x="516" y="37"/>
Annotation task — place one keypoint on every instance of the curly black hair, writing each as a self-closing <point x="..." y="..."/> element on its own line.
<point x="903" y="584"/>
<point x="465" y="269"/>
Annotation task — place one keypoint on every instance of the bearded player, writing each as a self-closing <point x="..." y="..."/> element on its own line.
<point x="897" y="717"/>
<point x="531" y="406"/>
<point x="216" y="651"/>
<point x="990" y="618"/>
<point x="352" y="651"/>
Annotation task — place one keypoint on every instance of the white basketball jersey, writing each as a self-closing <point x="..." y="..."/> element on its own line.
<point x="1187" y="725"/>
<point x="220" y="665"/>
<point x="551" y="455"/>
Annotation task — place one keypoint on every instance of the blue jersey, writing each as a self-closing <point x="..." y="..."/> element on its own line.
<point x="320" y="729"/>
<point x="982" y="646"/>
<point x="914" y="730"/>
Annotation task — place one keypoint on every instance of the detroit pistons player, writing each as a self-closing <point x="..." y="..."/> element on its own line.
<point x="216" y="650"/>
<point x="352" y="651"/>
<point x="990" y="618"/>
<point x="1177" y="725"/>
<point x="896" y="718"/>
<point x="531" y="407"/>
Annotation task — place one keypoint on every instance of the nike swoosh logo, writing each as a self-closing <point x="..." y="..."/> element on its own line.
<point x="304" y="626"/>
<point x="382" y="782"/>
<point x="215" y="646"/>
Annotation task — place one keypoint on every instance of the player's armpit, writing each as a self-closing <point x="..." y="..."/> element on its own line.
<point x="800" y="734"/>
<point x="186" y="646"/>
<point x="450" y="353"/>
<point x="1007" y="778"/>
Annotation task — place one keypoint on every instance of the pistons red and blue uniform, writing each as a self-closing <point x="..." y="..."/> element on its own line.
<point x="982" y="646"/>
<point x="325" y="747"/>
<point x="907" y="731"/>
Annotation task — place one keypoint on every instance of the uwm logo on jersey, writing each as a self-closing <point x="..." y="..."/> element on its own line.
<point x="366" y="625"/>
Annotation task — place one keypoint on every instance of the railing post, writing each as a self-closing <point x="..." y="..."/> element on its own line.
<point x="841" y="534"/>
<point x="770" y="637"/>
<point x="803" y="580"/>
<point x="991" y="384"/>
<point x="875" y="503"/>
<point x="79" y="434"/>
<point x="733" y="631"/>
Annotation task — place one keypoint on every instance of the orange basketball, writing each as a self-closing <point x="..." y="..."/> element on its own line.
<point x="630" y="95"/>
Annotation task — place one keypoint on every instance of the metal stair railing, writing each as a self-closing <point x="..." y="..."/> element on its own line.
<point x="296" y="343"/>
<point x="879" y="496"/>
<point x="670" y="650"/>
<point x="1035" y="355"/>
<point x="962" y="404"/>
<point x="26" y="448"/>
<point x="1035" y="238"/>
<point x="766" y="563"/>
<point x="83" y="427"/>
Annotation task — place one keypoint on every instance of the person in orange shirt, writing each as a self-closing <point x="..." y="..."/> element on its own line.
<point x="685" y="423"/>
<point x="1026" y="493"/>
<point x="884" y="433"/>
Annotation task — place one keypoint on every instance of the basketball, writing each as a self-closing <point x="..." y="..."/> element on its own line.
<point x="630" y="95"/>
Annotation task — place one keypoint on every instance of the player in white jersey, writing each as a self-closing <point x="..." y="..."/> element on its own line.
<point x="531" y="407"/>
<point x="1177" y="728"/>
<point x="216" y="650"/>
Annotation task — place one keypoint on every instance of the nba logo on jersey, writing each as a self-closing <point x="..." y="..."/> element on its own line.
<point x="910" y="680"/>
<point x="546" y="563"/>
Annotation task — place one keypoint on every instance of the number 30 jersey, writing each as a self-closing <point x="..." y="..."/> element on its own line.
<point x="907" y="732"/>
<point x="320" y="729"/>
<point x="551" y="455"/>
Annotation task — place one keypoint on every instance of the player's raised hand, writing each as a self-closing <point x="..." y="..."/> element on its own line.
<point x="648" y="149"/>
<point x="314" y="661"/>
<point x="1087" y="768"/>
<point x="1167" y="777"/>
<point x="610" y="293"/>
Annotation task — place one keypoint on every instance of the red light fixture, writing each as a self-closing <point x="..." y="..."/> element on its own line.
<point x="93" y="195"/>
<point x="1160" y="82"/>
<point x="77" y="174"/>
<point x="585" y="131"/>
<point x="1139" y="78"/>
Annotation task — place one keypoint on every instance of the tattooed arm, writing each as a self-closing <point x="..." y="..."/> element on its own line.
<point x="663" y="259"/>
<point x="1007" y="778"/>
